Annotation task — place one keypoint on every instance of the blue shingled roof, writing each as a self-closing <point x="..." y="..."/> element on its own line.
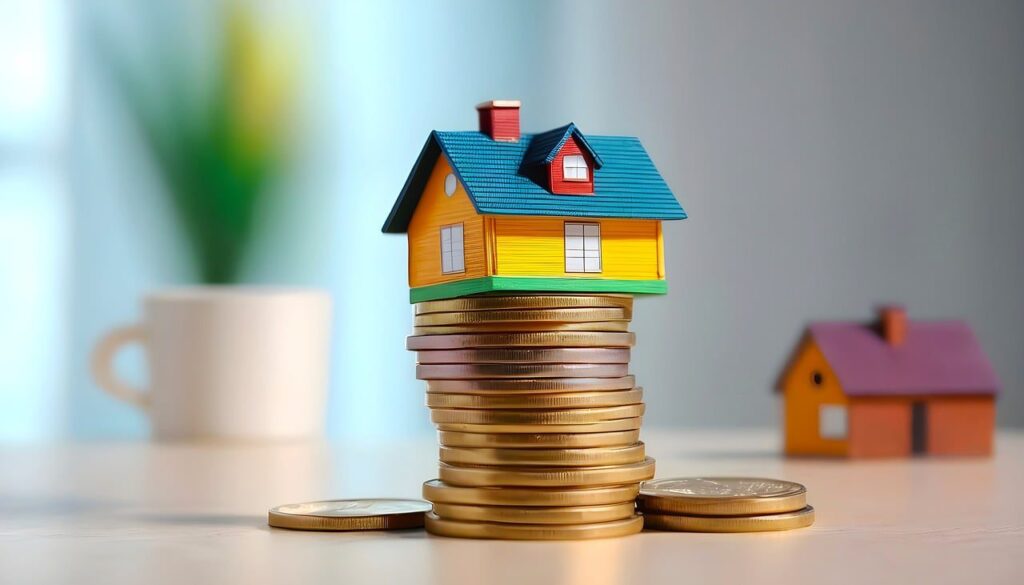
<point x="626" y="185"/>
<point x="544" y="147"/>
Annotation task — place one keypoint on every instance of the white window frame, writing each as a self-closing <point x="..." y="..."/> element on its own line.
<point x="582" y="247"/>
<point x="453" y="251"/>
<point x="574" y="168"/>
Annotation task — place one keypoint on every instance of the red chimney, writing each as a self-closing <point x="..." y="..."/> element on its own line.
<point x="893" y="322"/>
<point x="499" y="119"/>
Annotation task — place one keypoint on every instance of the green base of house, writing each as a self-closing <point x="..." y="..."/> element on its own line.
<point x="495" y="284"/>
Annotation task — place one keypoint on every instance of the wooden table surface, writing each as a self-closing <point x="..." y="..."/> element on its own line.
<point x="196" y="514"/>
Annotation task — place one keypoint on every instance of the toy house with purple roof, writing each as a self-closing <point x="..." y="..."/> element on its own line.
<point x="891" y="388"/>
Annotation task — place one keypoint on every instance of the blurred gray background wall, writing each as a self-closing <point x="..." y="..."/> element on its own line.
<point x="832" y="155"/>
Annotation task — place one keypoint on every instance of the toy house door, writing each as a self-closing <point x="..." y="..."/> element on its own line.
<point x="919" y="428"/>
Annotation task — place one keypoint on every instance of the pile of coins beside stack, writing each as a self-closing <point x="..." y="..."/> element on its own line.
<point x="724" y="504"/>
<point x="538" y="417"/>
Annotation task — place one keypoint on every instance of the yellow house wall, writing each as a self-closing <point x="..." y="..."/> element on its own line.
<point x="803" y="401"/>
<point x="535" y="246"/>
<point x="435" y="210"/>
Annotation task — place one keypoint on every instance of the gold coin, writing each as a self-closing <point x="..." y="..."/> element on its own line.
<point x="538" y="440"/>
<point x="546" y="476"/>
<point x="532" y="326"/>
<point x="722" y="496"/>
<point x="553" y="515"/>
<point x="525" y="316"/>
<point x="523" y="301"/>
<point x="457" y="529"/>
<point x="436" y="491"/>
<point x="530" y="386"/>
<point x="764" y="523"/>
<point x="622" y="424"/>
<point x="471" y="371"/>
<point x="536" y="417"/>
<point x="591" y="457"/>
<point x="527" y="401"/>
<point x="530" y="355"/>
<point x="527" y="339"/>
<point x="366" y="514"/>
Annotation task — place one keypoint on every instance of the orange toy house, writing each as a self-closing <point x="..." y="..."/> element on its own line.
<point x="889" y="389"/>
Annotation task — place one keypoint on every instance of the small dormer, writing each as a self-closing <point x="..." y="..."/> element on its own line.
<point x="562" y="161"/>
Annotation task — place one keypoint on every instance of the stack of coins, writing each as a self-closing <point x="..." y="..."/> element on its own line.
<point x="538" y="417"/>
<point x="724" y="504"/>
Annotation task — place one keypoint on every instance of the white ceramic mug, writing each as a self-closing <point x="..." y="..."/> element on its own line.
<point x="227" y="362"/>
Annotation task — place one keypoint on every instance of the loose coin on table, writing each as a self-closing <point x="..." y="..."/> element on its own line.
<point x="541" y="440"/>
<point x="530" y="385"/>
<point x="478" y="476"/>
<point x="622" y="424"/>
<point x="592" y="457"/>
<point x="721" y="496"/>
<point x="532" y="316"/>
<point x="536" y="401"/>
<point x="538" y="355"/>
<point x="761" y="523"/>
<point x="473" y="371"/>
<point x="523" y="301"/>
<point x="523" y="339"/>
<point x="535" y="417"/>
<point x="459" y="529"/>
<point x="436" y="490"/>
<point x="356" y="514"/>
<point x="535" y="515"/>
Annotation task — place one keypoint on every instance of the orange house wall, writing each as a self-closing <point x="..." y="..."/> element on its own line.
<point x="437" y="209"/>
<point x="803" y="401"/>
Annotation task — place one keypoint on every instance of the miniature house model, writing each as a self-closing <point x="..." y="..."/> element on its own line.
<point x="497" y="210"/>
<point x="889" y="389"/>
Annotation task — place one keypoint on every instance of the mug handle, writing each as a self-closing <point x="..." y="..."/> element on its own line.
<point x="103" y="365"/>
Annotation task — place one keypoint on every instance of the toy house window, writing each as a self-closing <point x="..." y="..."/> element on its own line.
<point x="453" y="257"/>
<point x="832" y="421"/>
<point x="582" y="247"/>
<point x="574" y="168"/>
